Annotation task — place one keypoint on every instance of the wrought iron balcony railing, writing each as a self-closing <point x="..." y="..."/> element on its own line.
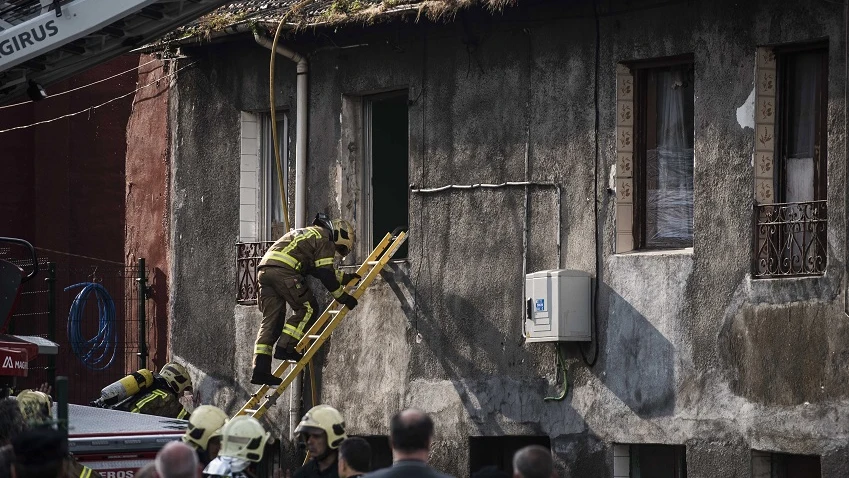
<point x="790" y="239"/>
<point x="248" y="255"/>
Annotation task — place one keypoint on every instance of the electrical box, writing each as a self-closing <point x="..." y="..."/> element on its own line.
<point x="558" y="306"/>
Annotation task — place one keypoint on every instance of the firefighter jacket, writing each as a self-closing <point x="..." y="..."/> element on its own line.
<point x="75" y="469"/>
<point x="306" y="251"/>
<point x="159" y="400"/>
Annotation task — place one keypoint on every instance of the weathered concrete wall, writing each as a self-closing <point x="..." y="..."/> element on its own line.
<point x="692" y="350"/>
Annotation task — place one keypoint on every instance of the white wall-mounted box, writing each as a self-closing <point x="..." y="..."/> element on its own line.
<point x="558" y="305"/>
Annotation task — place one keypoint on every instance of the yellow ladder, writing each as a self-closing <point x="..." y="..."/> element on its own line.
<point x="315" y="337"/>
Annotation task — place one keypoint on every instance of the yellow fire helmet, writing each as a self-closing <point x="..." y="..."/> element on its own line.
<point x="327" y="419"/>
<point x="204" y="422"/>
<point x="343" y="236"/>
<point x="243" y="437"/>
<point x="177" y="377"/>
<point x="35" y="406"/>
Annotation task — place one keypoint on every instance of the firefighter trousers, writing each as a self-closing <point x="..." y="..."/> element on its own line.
<point x="279" y="286"/>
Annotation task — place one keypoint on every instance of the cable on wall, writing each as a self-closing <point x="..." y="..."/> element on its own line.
<point x="92" y="108"/>
<point x="53" y="95"/>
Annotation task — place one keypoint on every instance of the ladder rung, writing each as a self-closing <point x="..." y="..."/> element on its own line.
<point x="334" y="311"/>
<point x="313" y="337"/>
<point x="251" y="410"/>
<point x="372" y="263"/>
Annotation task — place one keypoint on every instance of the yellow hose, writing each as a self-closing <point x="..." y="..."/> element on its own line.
<point x="283" y="194"/>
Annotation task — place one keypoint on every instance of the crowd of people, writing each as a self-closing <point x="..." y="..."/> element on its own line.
<point x="213" y="446"/>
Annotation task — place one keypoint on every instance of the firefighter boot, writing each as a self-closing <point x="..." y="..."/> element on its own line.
<point x="287" y="353"/>
<point x="262" y="372"/>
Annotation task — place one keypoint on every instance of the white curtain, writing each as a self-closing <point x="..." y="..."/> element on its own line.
<point x="669" y="175"/>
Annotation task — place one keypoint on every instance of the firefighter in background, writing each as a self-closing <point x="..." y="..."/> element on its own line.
<point x="204" y="432"/>
<point x="243" y="442"/>
<point x="322" y="430"/>
<point x="158" y="396"/>
<point x="37" y="410"/>
<point x="282" y="280"/>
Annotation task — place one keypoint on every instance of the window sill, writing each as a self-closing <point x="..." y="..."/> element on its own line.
<point x="684" y="251"/>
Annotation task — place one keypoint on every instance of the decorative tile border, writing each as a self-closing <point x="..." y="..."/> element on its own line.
<point x="765" y="126"/>
<point x="624" y="159"/>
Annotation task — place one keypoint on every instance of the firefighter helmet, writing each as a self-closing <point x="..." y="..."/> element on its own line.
<point x="243" y="437"/>
<point x="203" y="423"/>
<point x="35" y="406"/>
<point x="326" y="419"/>
<point x="343" y="236"/>
<point x="177" y="377"/>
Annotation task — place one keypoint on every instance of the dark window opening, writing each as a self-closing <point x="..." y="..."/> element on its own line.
<point x="381" y="453"/>
<point x="658" y="461"/>
<point x="783" y="465"/>
<point x="664" y="130"/>
<point x="388" y="166"/>
<point x="498" y="451"/>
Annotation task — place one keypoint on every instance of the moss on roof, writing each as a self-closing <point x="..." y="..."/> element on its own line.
<point x="304" y="13"/>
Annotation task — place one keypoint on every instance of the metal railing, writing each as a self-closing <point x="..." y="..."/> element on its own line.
<point x="791" y="239"/>
<point x="248" y="255"/>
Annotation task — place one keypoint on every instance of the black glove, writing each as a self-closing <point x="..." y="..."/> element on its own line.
<point x="347" y="278"/>
<point x="348" y="300"/>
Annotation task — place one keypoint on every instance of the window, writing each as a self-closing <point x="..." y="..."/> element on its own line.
<point x="387" y="167"/>
<point x="271" y="217"/>
<point x="791" y="162"/>
<point x="782" y="465"/>
<point x="649" y="461"/>
<point x="663" y="154"/>
<point x="498" y="451"/>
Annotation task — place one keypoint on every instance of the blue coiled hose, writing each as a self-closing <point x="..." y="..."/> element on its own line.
<point x="98" y="352"/>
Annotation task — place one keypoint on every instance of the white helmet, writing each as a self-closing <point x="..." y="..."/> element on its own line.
<point x="177" y="377"/>
<point x="243" y="437"/>
<point x="326" y="419"/>
<point x="203" y="423"/>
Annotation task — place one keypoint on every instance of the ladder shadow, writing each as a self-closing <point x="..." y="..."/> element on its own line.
<point x="495" y="376"/>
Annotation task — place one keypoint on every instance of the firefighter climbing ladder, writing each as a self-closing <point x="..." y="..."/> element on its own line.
<point x="315" y="337"/>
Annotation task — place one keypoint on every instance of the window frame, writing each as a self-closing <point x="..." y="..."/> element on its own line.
<point x="645" y="100"/>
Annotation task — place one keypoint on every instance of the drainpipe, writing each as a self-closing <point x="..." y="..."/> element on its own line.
<point x="300" y="184"/>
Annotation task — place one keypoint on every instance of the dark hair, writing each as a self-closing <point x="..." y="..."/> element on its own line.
<point x="357" y="453"/>
<point x="11" y="420"/>
<point x="490" y="472"/>
<point x="533" y="461"/>
<point x="410" y="430"/>
<point x="40" y="453"/>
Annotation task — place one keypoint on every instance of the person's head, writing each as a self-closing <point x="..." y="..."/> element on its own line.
<point x="354" y="457"/>
<point x="533" y="461"/>
<point x="410" y="431"/>
<point x="35" y="407"/>
<point x="39" y="453"/>
<point x="244" y="438"/>
<point x="177" y="377"/>
<point x="203" y="423"/>
<point x="322" y="430"/>
<point x="147" y="471"/>
<point x="177" y="460"/>
<point x="11" y="420"/>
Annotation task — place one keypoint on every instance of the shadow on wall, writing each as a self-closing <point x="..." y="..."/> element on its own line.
<point x="157" y="334"/>
<point x="636" y="361"/>
<point x="473" y="360"/>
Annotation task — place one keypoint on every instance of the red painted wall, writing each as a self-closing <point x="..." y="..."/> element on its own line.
<point x="62" y="188"/>
<point x="147" y="172"/>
